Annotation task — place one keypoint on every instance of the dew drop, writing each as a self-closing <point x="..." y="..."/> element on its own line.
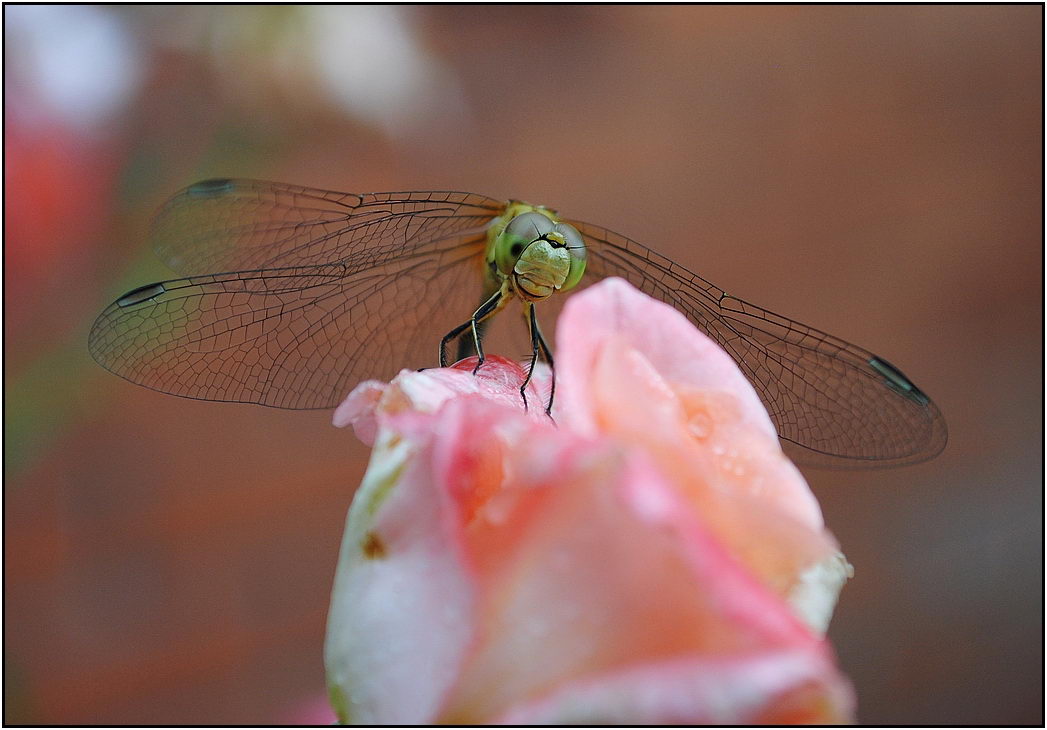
<point x="700" y="425"/>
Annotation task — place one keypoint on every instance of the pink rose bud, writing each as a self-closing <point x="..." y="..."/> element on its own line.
<point x="650" y="558"/>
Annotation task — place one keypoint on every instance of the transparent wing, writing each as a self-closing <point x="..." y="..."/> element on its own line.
<point x="842" y="404"/>
<point x="293" y="337"/>
<point x="231" y="225"/>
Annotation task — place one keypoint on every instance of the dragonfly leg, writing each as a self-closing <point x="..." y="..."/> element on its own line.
<point x="465" y="344"/>
<point x="548" y="359"/>
<point x="538" y="344"/>
<point x="532" y="326"/>
<point x="447" y="338"/>
<point x="485" y="310"/>
<point x="492" y="305"/>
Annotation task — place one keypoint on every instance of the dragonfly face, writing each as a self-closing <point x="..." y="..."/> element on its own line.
<point x="324" y="289"/>
<point x="536" y="253"/>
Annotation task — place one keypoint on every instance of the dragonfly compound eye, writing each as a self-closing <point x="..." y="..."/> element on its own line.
<point x="576" y="247"/>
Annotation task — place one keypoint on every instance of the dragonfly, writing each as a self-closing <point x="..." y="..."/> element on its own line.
<point x="324" y="289"/>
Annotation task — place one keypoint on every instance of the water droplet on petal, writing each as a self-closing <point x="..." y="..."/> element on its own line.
<point x="700" y="425"/>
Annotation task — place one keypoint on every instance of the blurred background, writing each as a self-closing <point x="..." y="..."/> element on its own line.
<point x="874" y="171"/>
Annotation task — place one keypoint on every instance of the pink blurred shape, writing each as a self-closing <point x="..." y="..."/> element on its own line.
<point x="651" y="557"/>
<point x="314" y="711"/>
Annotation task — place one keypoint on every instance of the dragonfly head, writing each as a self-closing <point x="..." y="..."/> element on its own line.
<point x="541" y="254"/>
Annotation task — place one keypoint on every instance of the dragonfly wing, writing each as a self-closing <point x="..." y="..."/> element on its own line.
<point x="232" y="225"/>
<point x="296" y="337"/>
<point x="842" y="404"/>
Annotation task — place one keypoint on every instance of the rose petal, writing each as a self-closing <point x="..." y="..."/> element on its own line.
<point x="358" y="410"/>
<point x="401" y="608"/>
<point x="646" y="377"/>
<point x="612" y="310"/>
<point x="595" y="570"/>
<point x="774" y="687"/>
<point x="645" y="561"/>
<point x="424" y="391"/>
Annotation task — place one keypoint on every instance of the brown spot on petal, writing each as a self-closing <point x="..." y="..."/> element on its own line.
<point x="372" y="547"/>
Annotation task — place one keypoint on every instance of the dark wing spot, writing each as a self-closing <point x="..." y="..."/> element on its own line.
<point x="141" y="294"/>
<point x="895" y="379"/>
<point x="210" y="188"/>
